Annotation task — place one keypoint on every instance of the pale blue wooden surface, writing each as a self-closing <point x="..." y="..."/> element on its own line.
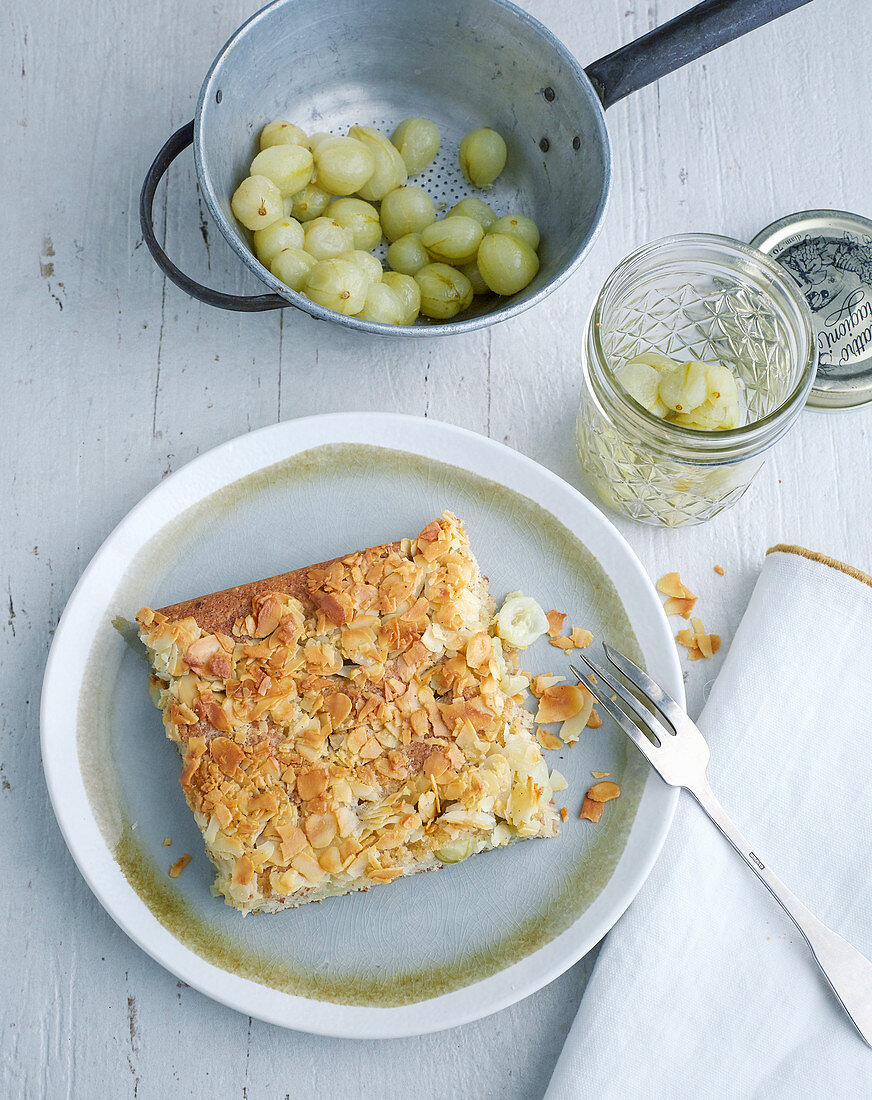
<point x="111" y="378"/>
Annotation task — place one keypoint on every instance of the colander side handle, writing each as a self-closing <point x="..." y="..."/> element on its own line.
<point x="698" y="31"/>
<point x="174" y="145"/>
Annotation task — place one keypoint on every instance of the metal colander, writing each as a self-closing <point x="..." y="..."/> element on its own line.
<point x="463" y="64"/>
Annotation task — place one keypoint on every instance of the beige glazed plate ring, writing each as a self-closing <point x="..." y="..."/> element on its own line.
<point x="430" y="952"/>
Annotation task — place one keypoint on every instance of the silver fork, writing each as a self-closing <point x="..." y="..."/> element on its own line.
<point x="679" y="753"/>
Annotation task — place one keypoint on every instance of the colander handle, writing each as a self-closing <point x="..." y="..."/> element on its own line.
<point x="698" y="31"/>
<point x="242" y="303"/>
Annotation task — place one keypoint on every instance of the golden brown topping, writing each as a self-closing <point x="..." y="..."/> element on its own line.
<point x="599" y="775"/>
<point x="548" y="740"/>
<point x="604" y="791"/>
<point x="338" y="706"/>
<point x="336" y="606"/>
<point x="562" y="643"/>
<point x="479" y="650"/>
<point x="676" y="605"/>
<point x="180" y="864"/>
<point x="321" y="829"/>
<point x="436" y="764"/>
<point x="311" y="783"/>
<point x="196" y="748"/>
<point x="539" y="684"/>
<point x="167" y="841"/>
<point x="564" y="813"/>
<point x="580" y="637"/>
<point x="594" y="721"/>
<point x="719" y="569"/>
<point x="697" y="641"/>
<point x="226" y="754"/>
<point x="347" y="721"/>
<point x="555" y="622"/>
<point x="560" y="702"/>
<point x="590" y="810"/>
<point x="243" y="872"/>
<point x="670" y="584"/>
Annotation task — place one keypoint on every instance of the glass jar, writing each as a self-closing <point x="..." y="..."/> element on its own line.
<point x="692" y="296"/>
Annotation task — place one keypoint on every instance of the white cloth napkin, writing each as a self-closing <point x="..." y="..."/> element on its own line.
<point x="704" y="988"/>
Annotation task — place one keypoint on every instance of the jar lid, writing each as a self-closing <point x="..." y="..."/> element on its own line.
<point x="829" y="254"/>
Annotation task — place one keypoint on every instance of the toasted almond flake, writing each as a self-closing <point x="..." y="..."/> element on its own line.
<point x="604" y="791"/>
<point x="719" y="569"/>
<point x="573" y="727"/>
<point x="555" y="622"/>
<point x="564" y="813"/>
<point x="590" y="810"/>
<point x="539" y="684"/>
<point x="562" y="643"/>
<point x="594" y="722"/>
<point x="311" y="783"/>
<point x="436" y="764"/>
<point x="548" y="740"/>
<point x="705" y="645"/>
<point x="478" y="649"/>
<point x="675" y="605"/>
<point x="180" y="864"/>
<point x="321" y="830"/>
<point x="167" y="841"/>
<point x="670" y="584"/>
<point x="600" y="775"/>
<point x="560" y="702"/>
<point x="580" y="637"/>
<point x="384" y="875"/>
<point x="338" y="706"/>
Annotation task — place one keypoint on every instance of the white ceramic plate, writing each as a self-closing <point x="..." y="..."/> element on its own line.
<point x="430" y="952"/>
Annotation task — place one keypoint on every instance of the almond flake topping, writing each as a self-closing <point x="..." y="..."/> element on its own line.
<point x="347" y="721"/>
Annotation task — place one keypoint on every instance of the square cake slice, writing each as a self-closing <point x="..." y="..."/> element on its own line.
<point x="349" y="722"/>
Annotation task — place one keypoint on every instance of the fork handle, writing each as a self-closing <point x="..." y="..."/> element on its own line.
<point x="848" y="972"/>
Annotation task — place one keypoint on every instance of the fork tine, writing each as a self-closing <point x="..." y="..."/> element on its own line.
<point x="667" y="706"/>
<point x="646" y="748"/>
<point x="645" y="715"/>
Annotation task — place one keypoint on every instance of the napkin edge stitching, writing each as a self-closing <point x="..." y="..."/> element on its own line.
<point x="824" y="559"/>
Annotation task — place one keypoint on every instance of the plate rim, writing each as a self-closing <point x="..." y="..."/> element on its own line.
<point x="422" y="436"/>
